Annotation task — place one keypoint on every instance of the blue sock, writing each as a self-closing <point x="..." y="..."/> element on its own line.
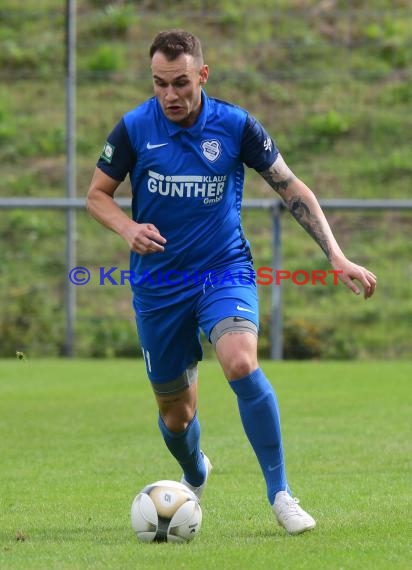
<point x="185" y="447"/>
<point x="259" y="412"/>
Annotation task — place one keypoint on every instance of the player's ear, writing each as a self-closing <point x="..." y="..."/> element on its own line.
<point x="204" y="73"/>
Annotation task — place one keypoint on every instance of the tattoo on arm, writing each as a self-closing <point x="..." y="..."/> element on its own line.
<point x="302" y="214"/>
<point x="281" y="179"/>
<point x="278" y="185"/>
<point x="275" y="179"/>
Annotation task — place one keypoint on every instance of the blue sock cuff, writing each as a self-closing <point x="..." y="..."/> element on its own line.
<point x="251" y="385"/>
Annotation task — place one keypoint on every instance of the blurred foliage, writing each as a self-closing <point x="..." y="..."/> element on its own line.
<point x="106" y="59"/>
<point x="31" y="323"/>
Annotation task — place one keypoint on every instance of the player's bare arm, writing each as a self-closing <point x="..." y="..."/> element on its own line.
<point x="141" y="238"/>
<point x="305" y="208"/>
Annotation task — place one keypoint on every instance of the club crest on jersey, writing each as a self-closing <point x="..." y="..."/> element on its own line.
<point x="211" y="149"/>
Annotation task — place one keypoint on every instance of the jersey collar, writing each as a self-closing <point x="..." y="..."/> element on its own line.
<point x="196" y="129"/>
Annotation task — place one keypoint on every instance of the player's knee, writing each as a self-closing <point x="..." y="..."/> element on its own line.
<point x="240" y="365"/>
<point x="178" y="409"/>
<point x="235" y="341"/>
<point x="177" y="420"/>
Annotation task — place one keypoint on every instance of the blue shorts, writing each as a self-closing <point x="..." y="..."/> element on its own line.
<point x="169" y="327"/>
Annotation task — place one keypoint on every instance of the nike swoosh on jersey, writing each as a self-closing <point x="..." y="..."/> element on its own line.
<point x="239" y="308"/>
<point x="150" y="146"/>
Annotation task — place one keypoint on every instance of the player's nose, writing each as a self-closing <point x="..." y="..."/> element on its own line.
<point x="170" y="94"/>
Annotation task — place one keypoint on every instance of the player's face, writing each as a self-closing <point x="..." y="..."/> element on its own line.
<point x="178" y="87"/>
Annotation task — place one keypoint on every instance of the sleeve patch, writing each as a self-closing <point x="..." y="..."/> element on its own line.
<point x="107" y="152"/>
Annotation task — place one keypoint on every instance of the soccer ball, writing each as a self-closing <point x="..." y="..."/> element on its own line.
<point x="166" y="511"/>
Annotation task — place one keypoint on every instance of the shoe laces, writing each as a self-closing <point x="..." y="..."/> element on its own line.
<point x="291" y="507"/>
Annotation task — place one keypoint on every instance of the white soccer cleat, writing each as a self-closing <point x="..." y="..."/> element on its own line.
<point x="289" y="515"/>
<point x="199" y="490"/>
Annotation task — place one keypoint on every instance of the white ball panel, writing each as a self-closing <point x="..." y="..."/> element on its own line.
<point x="186" y="522"/>
<point x="144" y="515"/>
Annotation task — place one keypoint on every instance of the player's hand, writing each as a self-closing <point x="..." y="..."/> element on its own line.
<point x="144" y="238"/>
<point x="349" y="272"/>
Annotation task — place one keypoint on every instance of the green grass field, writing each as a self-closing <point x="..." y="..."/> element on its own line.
<point x="79" y="439"/>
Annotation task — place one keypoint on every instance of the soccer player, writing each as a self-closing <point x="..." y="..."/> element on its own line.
<point x="190" y="260"/>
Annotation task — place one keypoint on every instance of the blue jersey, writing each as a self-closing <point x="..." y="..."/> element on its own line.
<point x="188" y="182"/>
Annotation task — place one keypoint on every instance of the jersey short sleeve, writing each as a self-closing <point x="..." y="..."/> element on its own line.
<point x="258" y="150"/>
<point x="118" y="156"/>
